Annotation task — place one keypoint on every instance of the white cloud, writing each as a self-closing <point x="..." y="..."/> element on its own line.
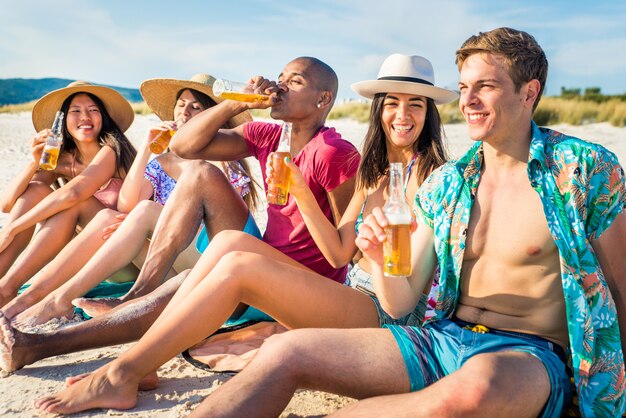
<point x="99" y="42"/>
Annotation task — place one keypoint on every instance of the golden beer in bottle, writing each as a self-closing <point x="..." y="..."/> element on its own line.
<point x="234" y="90"/>
<point x="160" y="143"/>
<point x="278" y="189"/>
<point x="52" y="149"/>
<point x="397" y="245"/>
<point x="244" y="97"/>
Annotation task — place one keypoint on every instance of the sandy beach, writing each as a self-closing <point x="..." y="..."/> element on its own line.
<point x="182" y="385"/>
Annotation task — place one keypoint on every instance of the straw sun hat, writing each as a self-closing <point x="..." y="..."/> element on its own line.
<point x="116" y="105"/>
<point x="160" y="95"/>
<point x="410" y="74"/>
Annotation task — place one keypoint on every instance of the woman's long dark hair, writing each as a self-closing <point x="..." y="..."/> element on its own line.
<point x="429" y="147"/>
<point x="252" y="198"/>
<point x="110" y="135"/>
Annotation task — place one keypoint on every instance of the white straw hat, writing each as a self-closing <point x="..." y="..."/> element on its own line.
<point x="160" y="95"/>
<point x="116" y="105"/>
<point x="410" y="74"/>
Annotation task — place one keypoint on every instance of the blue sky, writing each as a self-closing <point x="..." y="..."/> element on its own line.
<point x="125" y="42"/>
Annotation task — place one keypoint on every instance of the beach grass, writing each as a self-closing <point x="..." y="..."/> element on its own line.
<point x="553" y="110"/>
<point x="17" y="108"/>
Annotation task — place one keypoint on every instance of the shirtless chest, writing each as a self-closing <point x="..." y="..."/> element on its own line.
<point x="510" y="276"/>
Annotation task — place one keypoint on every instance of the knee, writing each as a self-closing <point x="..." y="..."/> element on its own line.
<point x="283" y="352"/>
<point x="232" y="266"/>
<point x="145" y="208"/>
<point x="236" y="271"/>
<point x="230" y="240"/>
<point x="39" y="188"/>
<point x="105" y="217"/>
<point x="471" y="394"/>
<point x="202" y="173"/>
<point x="34" y="193"/>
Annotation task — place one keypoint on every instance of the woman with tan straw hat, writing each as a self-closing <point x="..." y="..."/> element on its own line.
<point x="94" y="159"/>
<point x="174" y="102"/>
<point x="405" y="127"/>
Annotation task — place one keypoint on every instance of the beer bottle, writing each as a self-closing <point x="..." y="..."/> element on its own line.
<point x="397" y="245"/>
<point x="234" y="90"/>
<point x="161" y="141"/>
<point x="51" y="151"/>
<point x="278" y="190"/>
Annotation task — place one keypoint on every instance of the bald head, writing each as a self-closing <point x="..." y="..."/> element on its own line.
<point x="325" y="77"/>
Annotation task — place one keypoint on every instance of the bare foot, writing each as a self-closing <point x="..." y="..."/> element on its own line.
<point x="6" y="297"/>
<point x="7" y="341"/>
<point x="96" y="307"/>
<point x="42" y="312"/>
<point x="19" y="349"/>
<point x="149" y="381"/>
<point x="102" y="389"/>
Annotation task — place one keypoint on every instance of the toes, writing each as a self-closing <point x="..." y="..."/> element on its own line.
<point x="78" y="302"/>
<point x="6" y="331"/>
<point x="7" y="341"/>
<point x="42" y="402"/>
<point x="73" y="379"/>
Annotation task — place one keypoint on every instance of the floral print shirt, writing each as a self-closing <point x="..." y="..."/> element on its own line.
<point x="581" y="186"/>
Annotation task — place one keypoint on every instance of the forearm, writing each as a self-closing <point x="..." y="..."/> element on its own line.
<point x="131" y="191"/>
<point x="18" y="186"/>
<point x="337" y="245"/>
<point x="193" y="138"/>
<point x="52" y="204"/>
<point x="399" y="295"/>
<point x="395" y="294"/>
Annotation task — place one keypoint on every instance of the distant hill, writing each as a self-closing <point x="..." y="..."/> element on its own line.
<point x="23" y="90"/>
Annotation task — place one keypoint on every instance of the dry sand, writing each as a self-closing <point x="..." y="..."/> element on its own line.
<point x="182" y="385"/>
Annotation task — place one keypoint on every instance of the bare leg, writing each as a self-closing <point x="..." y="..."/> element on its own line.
<point x="67" y="263"/>
<point x="202" y="193"/>
<point x="126" y="323"/>
<point x="113" y="254"/>
<point x="294" y="296"/>
<point x="54" y="234"/>
<point x="367" y="364"/>
<point x="502" y="384"/>
<point x="332" y="360"/>
<point x="34" y="194"/>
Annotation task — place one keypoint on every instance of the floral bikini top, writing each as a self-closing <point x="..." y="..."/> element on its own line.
<point x="163" y="184"/>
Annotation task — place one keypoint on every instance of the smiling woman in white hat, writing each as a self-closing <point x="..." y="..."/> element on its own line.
<point x="175" y="102"/>
<point x="94" y="159"/>
<point x="405" y="127"/>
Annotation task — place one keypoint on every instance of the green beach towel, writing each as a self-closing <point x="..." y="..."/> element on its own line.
<point x="103" y="290"/>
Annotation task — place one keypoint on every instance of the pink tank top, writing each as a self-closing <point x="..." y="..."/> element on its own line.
<point x="108" y="194"/>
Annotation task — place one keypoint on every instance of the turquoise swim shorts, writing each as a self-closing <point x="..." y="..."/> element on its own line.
<point x="442" y="347"/>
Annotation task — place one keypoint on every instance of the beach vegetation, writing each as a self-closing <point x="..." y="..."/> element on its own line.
<point x="574" y="106"/>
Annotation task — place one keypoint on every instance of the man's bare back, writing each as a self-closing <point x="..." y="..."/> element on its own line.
<point x="511" y="270"/>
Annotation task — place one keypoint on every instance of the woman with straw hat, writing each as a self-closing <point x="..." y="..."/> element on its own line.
<point x="174" y="102"/>
<point x="94" y="159"/>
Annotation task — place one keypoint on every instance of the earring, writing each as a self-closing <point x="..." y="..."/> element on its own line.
<point x="319" y="105"/>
